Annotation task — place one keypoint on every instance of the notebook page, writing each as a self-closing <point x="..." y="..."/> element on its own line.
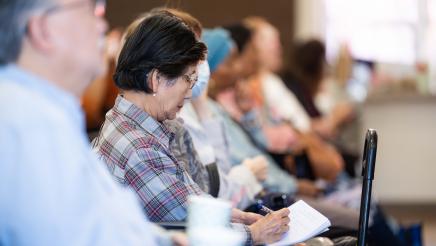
<point x="306" y="222"/>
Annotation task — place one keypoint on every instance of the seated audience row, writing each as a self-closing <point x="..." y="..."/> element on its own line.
<point x="199" y="112"/>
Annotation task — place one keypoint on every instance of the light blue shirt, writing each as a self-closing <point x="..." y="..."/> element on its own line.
<point x="53" y="191"/>
<point x="241" y="147"/>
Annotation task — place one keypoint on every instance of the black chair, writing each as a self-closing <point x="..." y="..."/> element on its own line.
<point x="368" y="168"/>
<point x="214" y="179"/>
<point x="173" y="225"/>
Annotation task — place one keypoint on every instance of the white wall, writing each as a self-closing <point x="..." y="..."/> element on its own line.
<point x="309" y="19"/>
<point x="406" y="158"/>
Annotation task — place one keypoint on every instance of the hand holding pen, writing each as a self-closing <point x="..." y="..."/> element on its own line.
<point x="271" y="227"/>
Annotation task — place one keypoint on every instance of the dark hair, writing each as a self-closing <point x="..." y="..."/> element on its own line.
<point x="160" y="41"/>
<point x="308" y="61"/>
<point x="240" y="34"/>
<point x="193" y="23"/>
<point x="14" y="15"/>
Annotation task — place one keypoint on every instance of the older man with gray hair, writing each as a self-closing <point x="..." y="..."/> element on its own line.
<point x="53" y="191"/>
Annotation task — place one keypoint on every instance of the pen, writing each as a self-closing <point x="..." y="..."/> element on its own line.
<point x="265" y="209"/>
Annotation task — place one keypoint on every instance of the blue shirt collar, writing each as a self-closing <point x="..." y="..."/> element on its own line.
<point x="67" y="101"/>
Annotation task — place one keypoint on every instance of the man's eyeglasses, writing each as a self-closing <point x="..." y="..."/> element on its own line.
<point x="191" y="79"/>
<point x="98" y="7"/>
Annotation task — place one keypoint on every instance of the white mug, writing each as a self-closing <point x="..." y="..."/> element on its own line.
<point x="215" y="237"/>
<point x="204" y="212"/>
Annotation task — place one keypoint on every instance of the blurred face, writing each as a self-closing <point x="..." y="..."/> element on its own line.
<point x="77" y="30"/>
<point x="268" y="47"/>
<point x="236" y="67"/>
<point x="228" y="72"/>
<point x="171" y="95"/>
<point x="248" y="63"/>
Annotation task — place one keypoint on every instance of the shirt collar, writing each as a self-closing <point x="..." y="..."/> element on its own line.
<point x="144" y="120"/>
<point x="67" y="101"/>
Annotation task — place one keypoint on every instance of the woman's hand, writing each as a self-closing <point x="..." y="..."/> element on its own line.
<point x="258" y="166"/>
<point x="270" y="228"/>
<point x="307" y="188"/>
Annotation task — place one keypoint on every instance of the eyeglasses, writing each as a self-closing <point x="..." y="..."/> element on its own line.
<point x="97" y="7"/>
<point x="191" y="79"/>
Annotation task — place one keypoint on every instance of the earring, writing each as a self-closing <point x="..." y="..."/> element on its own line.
<point x="154" y="94"/>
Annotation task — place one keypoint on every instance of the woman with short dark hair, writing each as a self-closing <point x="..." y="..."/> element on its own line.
<point x="152" y="53"/>
<point x="156" y="69"/>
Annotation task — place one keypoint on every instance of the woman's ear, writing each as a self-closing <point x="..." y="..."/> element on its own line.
<point x="154" y="81"/>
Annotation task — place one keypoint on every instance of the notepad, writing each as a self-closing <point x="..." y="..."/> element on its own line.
<point x="306" y="222"/>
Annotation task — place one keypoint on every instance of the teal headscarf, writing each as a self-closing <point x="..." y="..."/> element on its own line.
<point x="219" y="44"/>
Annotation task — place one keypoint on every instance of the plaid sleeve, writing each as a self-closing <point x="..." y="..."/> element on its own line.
<point x="159" y="184"/>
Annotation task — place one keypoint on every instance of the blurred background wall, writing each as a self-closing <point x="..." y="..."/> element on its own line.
<point x="279" y="12"/>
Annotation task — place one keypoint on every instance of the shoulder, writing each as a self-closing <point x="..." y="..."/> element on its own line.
<point x="20" y="105"/>
<point x="121" y="130"/>
<point x="121" y="140"/>
<point x="271" y="81"/>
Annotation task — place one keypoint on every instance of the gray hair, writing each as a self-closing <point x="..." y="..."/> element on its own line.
<point x="14" y="16"/>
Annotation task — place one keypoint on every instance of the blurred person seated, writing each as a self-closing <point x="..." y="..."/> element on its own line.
<point x="304" y="79"/>
<point x="53" y="190"/>
<point x="275" y="135"/>
<point x="156" y="70"/>
<point x="306" y="73"/>
<point x="270" y="95"/>
<point x="334" y="99"/>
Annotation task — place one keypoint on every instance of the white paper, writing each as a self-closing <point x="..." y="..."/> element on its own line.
<point x="306" y="222"/>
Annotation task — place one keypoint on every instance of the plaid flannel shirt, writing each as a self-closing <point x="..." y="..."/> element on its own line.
<point x="136" y="149"/>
